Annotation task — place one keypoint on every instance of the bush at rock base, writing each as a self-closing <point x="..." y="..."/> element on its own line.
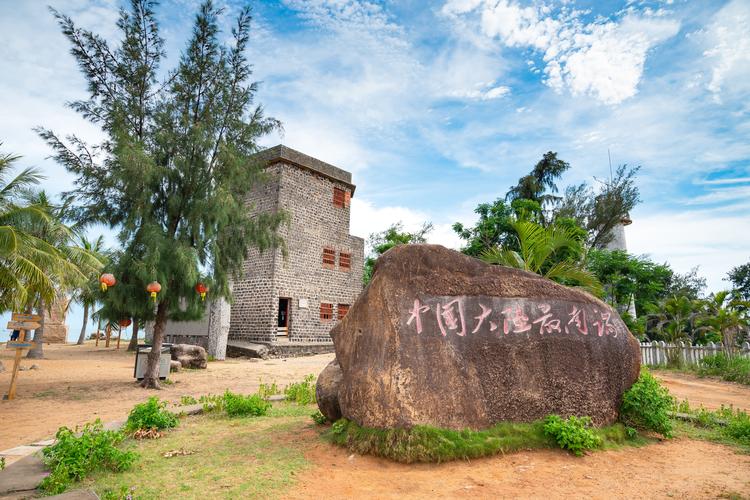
<point x="574" y="434"/>
<point x="646" y="405"/>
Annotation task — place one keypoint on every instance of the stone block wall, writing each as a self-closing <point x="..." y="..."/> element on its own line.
<point x="252" y="316"/>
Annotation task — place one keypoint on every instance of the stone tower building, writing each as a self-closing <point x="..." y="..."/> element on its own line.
<point x="299" y="297"/>
<point x="293" y="297"/>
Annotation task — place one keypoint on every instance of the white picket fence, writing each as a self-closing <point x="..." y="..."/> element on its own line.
<point x="655" y="353"/>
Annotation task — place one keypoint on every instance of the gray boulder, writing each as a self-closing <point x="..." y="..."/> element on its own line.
<point x="327" y="391"/>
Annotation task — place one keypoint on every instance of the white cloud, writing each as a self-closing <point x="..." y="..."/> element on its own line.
<point x="721" y="195"/>
<point x="603" y="59"/>
<point x="728" y="37"/>
<point x="717" y="242"/>
<point x="367" y="219"/>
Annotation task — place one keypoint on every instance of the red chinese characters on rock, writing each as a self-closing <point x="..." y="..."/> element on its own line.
<point x="416" y="314"/>
<point x="453" y="313"/>
<point x="451" y="316"/>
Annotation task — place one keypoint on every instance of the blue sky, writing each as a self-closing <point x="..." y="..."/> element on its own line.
<point x="437" y="106"/>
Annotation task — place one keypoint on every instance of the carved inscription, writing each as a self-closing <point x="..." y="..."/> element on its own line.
<point x="498" y="316"/>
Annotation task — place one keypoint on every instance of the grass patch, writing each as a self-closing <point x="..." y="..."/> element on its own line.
<point x="302" y="392"/>
<point x="432" y="444"/>
<point x="241" y="457"/>
<point x="725" y="425"/>
<point x="734" y="369"/>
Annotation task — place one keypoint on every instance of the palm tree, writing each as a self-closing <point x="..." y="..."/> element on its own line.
<point x="76" y="264"/>
<point x="676" y="319"/>
<point x="24" y="257"/>
<point x="728" y="316"/>
<point x="87" y="293"/>
<point x="553" y="252"/>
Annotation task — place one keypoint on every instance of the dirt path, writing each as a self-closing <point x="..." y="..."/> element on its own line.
<point x="710" y="393"/>
<point x="77" y="384"/>
<point x="675" y="469"/>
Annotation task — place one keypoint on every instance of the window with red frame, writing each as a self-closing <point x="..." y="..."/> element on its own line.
<point x="345" y="261"/>
<point x="329" y="258"/>
<point x="326" y="312"/>
<point x="343" y="309"/>
<point x="339" y="197"/>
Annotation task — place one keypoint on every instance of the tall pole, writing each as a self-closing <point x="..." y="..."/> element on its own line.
<point x="16" y="366"/>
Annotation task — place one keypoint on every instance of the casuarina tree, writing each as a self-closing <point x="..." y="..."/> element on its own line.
<point x="175" y="171"/>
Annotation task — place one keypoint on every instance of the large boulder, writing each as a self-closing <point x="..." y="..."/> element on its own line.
<point x="443" y="339"/>
<point x="327" y="391"/>
<point x="189" y="356"/>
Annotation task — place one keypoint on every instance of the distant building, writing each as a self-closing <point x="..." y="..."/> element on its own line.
<point x="618" y="242"/>
<point x="297" y="298"/>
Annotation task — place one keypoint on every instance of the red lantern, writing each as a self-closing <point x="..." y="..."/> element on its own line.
<point x="124" y="323"/>
<point x="107" y="280"/>
<point x="153" y="288"/>
<point x="202" y="289"/>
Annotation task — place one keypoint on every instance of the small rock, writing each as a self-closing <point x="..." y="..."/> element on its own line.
<point x="34" y="367"/>
<point x="23" y="368"/>
<point x="189" y="356"/>
<point x="174" y="366"/>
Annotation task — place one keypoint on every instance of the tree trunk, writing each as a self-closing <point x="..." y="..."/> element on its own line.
<point x="133" y="345"/>
<point x="151" y="375"/>
<point x="82" y="336"/>
<point x="36" y="352"/>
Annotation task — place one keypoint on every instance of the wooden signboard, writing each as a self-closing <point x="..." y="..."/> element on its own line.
<point x="22" y="322"/>
<point x="19" y="345"/>
<point x="36" y="318"/>
<point x="23" y="325"/>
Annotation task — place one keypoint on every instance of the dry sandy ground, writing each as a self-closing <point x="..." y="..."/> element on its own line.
<point x="77" y="384"/>
<point x="709" y="392"/>
<point x="674" y="469"/>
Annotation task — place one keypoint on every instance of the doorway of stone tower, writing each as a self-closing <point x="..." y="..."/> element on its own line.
<point x="282" y="327"/>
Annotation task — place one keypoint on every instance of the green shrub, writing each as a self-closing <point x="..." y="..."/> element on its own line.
<point x="238" y="405"/>
<point x="188" y="400"/>
<point x="573" y="434"/>
<point x="72" y="457"/>
<point x="266" y="390"/>
<point x="152" y="414"/>
<point x="738" y="426"/>
<point x="734" y="369"/>
<point x="212" y="403"/>
<point x="302" y="392"/>
<point x="319" y="418"/>
<point x="646" y="405"/>
<point x="2" y="463"/>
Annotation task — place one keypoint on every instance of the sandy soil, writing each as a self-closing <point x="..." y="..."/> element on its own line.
<point x="709" y="392"/>
<point x="676" y="469"/>
<point x="77" y="384"/>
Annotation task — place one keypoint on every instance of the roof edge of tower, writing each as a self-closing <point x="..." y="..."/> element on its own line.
<point x="285" y="154"/>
